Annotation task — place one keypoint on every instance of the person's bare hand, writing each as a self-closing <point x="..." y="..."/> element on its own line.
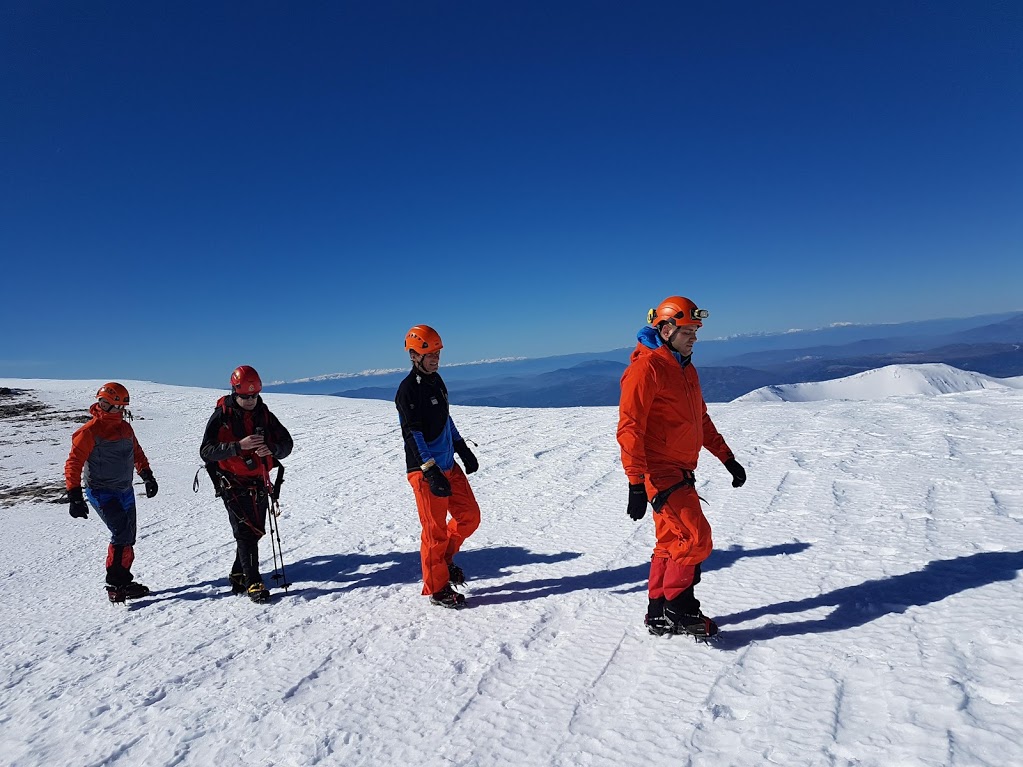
<point x="252" y="442"/>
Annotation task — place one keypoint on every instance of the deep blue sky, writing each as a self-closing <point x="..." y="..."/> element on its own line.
<point x="190" y="186"/>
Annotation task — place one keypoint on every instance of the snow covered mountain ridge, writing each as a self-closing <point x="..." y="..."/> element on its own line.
<point x="386" y="371"/>
<point x="889" y="381"/>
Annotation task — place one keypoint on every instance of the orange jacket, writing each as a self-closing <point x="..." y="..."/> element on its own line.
<point x="107" y="449"/>
<point x="662" y="418"/>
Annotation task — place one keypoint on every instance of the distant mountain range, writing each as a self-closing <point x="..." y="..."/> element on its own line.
<point x="729" y="368"/>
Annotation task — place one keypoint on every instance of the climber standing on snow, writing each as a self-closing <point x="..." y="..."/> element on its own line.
<point x="440" y="486"/>
<point x="662" y="425"/>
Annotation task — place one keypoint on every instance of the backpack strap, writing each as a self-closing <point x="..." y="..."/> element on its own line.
<point x="216" y="477"/>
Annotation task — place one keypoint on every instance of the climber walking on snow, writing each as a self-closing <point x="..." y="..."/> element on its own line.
<point x="104" y="453"/>
<point x="242" y="442"/>
<point x="662" y="425"/>
<point x="440" y="486"/>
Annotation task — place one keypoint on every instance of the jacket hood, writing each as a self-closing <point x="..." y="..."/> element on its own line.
<point x="651" y="339"/>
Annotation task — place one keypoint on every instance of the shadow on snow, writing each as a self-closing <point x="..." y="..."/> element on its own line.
<point x="353" y="571"/>
<point x="870" y="600"/>
<point x="634" y="577"/>
<point x="394" y="568"/>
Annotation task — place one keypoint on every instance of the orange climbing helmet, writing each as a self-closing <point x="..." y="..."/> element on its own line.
<point x="245" y="380"/>
<point x="422" y="339"/>
<point x="677" y="310"/>
<point x="113" y="394"/>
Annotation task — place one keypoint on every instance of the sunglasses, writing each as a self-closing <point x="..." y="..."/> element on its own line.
<point x="246" y="396"/>
<point x="108" y="406"/>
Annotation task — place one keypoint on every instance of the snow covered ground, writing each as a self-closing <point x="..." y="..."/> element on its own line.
<point x="866" y="578"/>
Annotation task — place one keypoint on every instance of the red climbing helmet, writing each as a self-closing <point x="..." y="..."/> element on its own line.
<point x="245" y="380"/>
<point x="113" y="394"/>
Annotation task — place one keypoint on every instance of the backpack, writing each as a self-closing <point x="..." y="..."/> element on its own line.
<point x="222" y="481"/>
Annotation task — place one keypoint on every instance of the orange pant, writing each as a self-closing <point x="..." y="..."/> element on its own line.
<point x="682" y="532"/>
<point x="684" y="540"/>
<point x="443" y="538"/>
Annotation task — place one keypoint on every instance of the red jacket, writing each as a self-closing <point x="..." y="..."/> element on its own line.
<point x="107" y="449"/>
<point x="663" y="421"/>
<point x="229" y="424"/>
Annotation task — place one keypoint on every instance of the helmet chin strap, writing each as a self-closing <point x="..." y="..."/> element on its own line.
<point x="671" y="345"/>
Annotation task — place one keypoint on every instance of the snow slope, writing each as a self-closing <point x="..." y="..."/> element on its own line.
<point x="866" y="580"/>
<point x="889" y="381"/>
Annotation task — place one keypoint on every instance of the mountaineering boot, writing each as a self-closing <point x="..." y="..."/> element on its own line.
<point x="448" y="597"/>
<point x="654" y="619"/>
<point x="237" y="581"/>
<point x="698" y="626"/>
<point x="657" y="625"/>
<point x="259" y="593"/>
<point x="455" y="575"/>
<point x="132" y="590"/>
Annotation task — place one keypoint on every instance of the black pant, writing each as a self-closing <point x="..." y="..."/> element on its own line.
<point x="246" y="509"/>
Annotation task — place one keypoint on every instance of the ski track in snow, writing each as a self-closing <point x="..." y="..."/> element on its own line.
<point x="866" y="579"/>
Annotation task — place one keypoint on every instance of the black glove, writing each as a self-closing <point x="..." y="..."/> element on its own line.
<point x="150" y="480"/>
<point x="468" y="459"/>
<point x="79" y="508"/>
<point x="439" y="484"/>
<point x="637" y="501"/>
<point x="738" y="473"/>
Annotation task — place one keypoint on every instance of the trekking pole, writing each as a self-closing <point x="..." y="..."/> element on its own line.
<point x="278" y="552"/>
<point x="274" y="509"/>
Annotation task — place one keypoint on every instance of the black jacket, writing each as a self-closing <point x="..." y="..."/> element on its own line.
<point x="229" y="424"/>
<point x="422" y="402"/>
